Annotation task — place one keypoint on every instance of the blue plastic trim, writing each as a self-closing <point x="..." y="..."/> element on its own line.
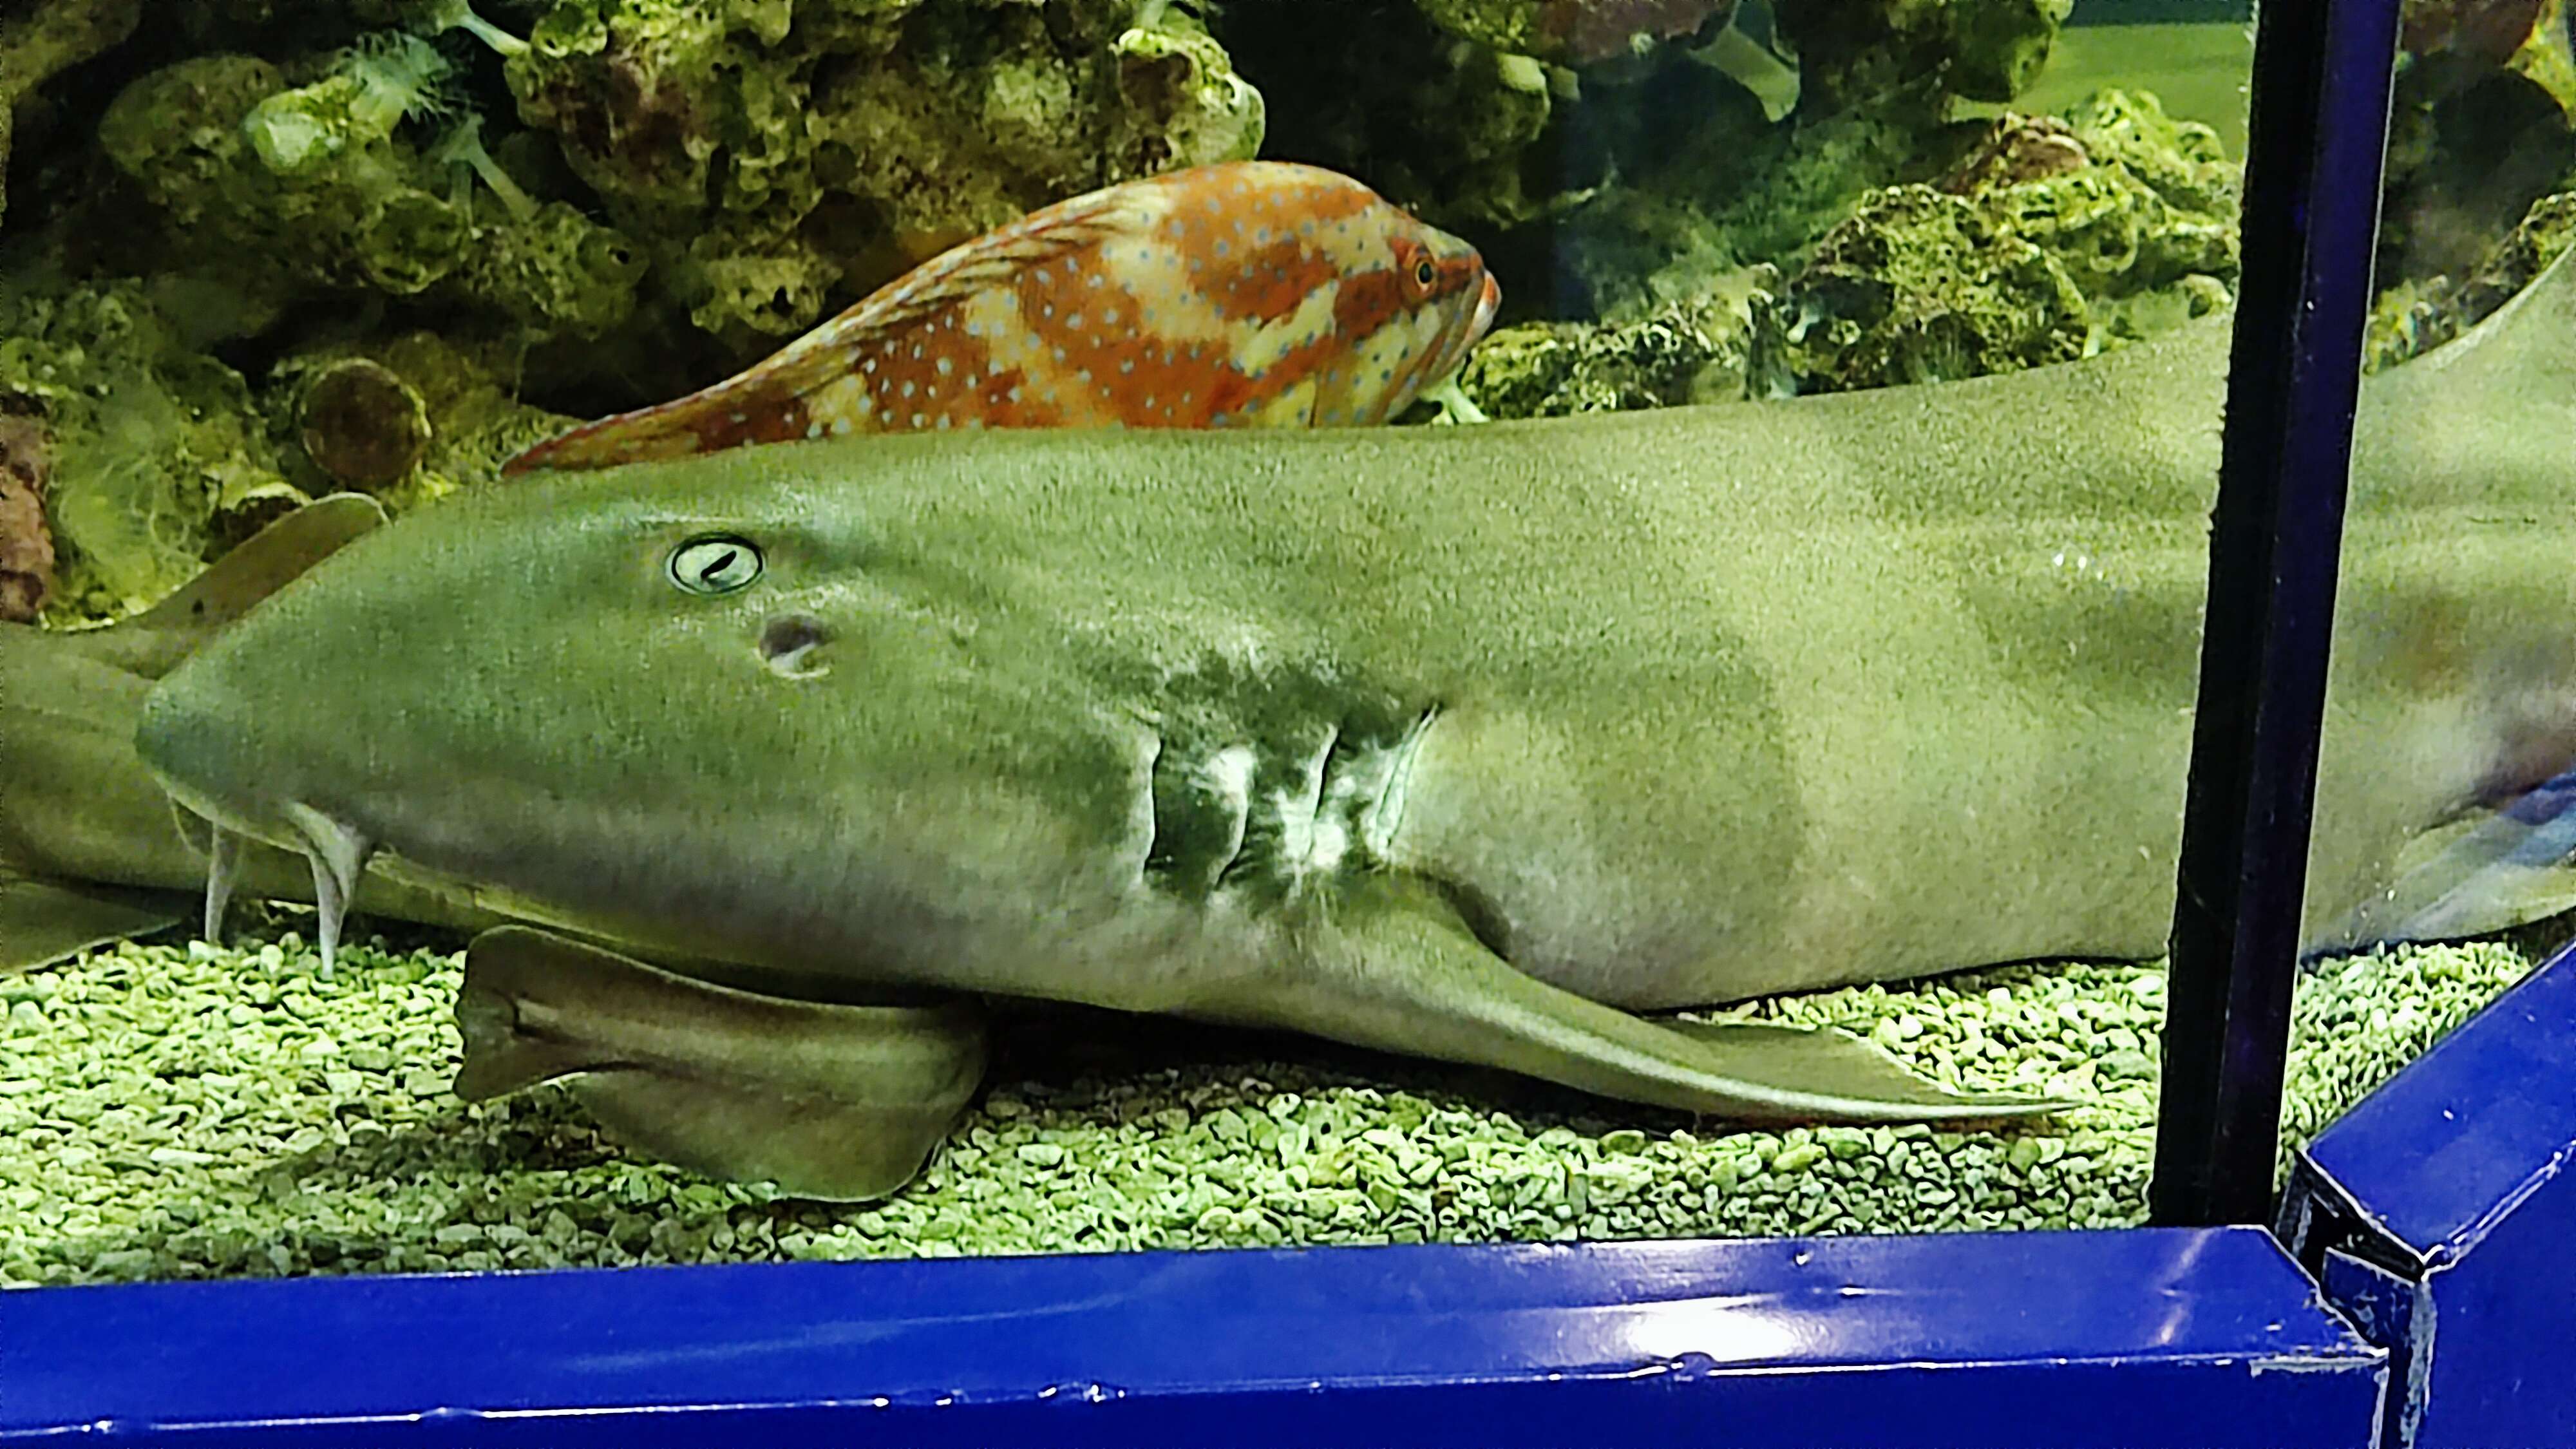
<point x="2204" y="1338"/>
<point x="2468" y="1131"/>
<point x="2459" y="1178"/>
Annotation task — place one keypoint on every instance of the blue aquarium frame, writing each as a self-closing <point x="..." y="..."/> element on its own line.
<point x="2441" y="1214"/>
<point x="2183" y="1337"/>
<point x="2402" y="1296"/>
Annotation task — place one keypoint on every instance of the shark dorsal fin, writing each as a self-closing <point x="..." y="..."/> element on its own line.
<point x="152" y="642"/>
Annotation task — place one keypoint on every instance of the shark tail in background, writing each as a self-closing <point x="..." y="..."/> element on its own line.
<point x="2488" y="872"/>
<point x="2505" y="856"/>
<point x="91" y="849"/>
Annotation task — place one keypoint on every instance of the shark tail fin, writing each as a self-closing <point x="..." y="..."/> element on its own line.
<point x="154" y="641"/>
<point x="2488" y="871"/>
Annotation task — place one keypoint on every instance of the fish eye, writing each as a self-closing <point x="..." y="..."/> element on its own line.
<point x="1424" y="274"/>
<point x="716" y="564"/>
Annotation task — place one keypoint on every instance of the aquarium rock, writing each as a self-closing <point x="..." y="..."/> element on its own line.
<point x="771" y="157"/>
<point x="361" y="423"/>
<point x="408" y="417"/>
<point x="1577" y="32"/>
<point x="26" y="540"/>
<point x="2413" y="316"/>
<point x="152" y="442"/>
<point x="42" y="40"/>
<point x="2488" y="31"/>
<point x="1851" y="52"/>
<point x="2482" y="123"/>
<point x="1684" y="352"/>
<point x="2049" y="240"/>
<point x="1455" y="131"/>
<point x="323" y="189"/>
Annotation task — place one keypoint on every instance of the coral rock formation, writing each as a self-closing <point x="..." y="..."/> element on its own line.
<point x="26" y="542"/>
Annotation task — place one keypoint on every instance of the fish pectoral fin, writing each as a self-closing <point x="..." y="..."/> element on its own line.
<point x="1394" y="966"/>
<point x="45" y="922"/>
<point x="828" y="1101"/>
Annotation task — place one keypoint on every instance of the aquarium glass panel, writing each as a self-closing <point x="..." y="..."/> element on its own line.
<point x="681" y="630"/>
<point x="2439" y="866"/>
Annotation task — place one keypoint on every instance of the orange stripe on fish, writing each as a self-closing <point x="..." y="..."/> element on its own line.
<point x="1253" y="293"/>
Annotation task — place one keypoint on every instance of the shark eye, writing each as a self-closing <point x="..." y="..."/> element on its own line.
<point x="721" y="564"/>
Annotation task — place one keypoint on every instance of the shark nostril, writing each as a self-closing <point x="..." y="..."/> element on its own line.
<point x="788" y="644"/>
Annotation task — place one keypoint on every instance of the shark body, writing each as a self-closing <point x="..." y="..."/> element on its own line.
<point x="1467" y="743"/>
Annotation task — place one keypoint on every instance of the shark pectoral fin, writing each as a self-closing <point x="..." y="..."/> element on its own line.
<point x="1395" y="967"/>
<point x="44" y="922"/>
<point x="841" y="1103"/>
<point x="1827" y="1063"/>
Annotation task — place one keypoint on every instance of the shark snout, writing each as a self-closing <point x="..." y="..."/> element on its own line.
<point x="219" y="757"/>
<point x="199" y="745"/>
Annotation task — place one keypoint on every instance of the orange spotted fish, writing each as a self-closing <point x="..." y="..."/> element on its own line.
<point x="1253" y="293"/>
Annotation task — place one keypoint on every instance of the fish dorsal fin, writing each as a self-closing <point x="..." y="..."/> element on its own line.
<point x="758" y="404"/>
<point x="152" y="642"/>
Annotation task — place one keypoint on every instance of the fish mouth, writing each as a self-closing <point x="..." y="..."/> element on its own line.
<point x="1489" y="300"/>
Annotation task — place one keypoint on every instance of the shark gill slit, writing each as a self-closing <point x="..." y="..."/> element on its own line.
<point x="1214" y="827"/>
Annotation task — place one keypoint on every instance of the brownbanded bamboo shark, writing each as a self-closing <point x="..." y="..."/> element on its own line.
<point x="1469" y="743"/>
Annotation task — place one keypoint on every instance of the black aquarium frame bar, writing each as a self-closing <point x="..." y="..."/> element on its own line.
<point x="2317" y="137"/>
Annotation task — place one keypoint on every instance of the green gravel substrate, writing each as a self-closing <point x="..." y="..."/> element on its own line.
<point x="184" y="1112"/>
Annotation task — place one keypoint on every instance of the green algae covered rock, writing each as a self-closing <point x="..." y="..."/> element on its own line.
<point x="1920" y="286"/>
<point x="152" y="442"/>
<point x="361" y="202"/>
<point x="2416" y="316"/>
<point x="1458" y="131"/>
<point x="1725" y="180"/>
<point x="2043" y="240"/>
<point x="408" y="418"/>
<point x="775" y="156"/>
<point x="40" y="41"/>
<point x="1686" y="352"/>
<point x="161" y="456"/>
<point x="2049" y="242"/>
<point x="1577" y="32"/>
<point x="1850" y="51"/>
<point x="283" y="190"/>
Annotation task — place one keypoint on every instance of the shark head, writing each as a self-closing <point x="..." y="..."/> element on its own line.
<point x="733" y="707"/>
